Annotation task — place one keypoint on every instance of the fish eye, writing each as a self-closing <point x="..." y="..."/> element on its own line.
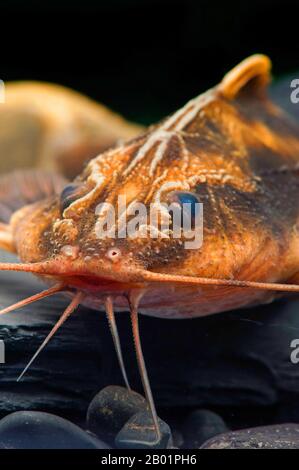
<point x="189" y="200"/>
<point x="189" y="204"/>
<point x="68" y="195"/>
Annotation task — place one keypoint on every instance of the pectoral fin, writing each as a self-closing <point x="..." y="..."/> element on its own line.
<point x="20" y="188"/>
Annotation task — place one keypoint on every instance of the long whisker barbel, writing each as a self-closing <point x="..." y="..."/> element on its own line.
<point x="115" y="337"/>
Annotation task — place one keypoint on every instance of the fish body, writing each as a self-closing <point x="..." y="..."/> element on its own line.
<point x="230" y="150"/>
<point x="52" y="127"/>
<point x="236" y="152"/>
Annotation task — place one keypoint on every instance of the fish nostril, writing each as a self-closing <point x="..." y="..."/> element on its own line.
<point x="114" y="254"/>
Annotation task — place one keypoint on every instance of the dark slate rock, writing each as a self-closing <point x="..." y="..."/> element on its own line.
<point x="200" y="426"/>
<point x="37" y="430"/>
<point x="139" y="433"/>
<point x="287" y="411"/>
<point x="111" y="408"/>
<point x="232" y="359"/>
<point x="282" y="436"/>
<point x="239" y="358"/>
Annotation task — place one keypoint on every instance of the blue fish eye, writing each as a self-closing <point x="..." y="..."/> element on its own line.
<point x="189" y="204"/>
<point x="188" y="201"/>
<point x="68" y="195"/>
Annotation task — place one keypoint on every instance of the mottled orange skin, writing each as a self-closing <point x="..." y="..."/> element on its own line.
<point x="239" y="154"/>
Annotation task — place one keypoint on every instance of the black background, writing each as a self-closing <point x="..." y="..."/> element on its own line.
<point x="143" y="58"/>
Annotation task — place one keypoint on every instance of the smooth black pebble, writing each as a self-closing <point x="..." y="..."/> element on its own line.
<point x="139" y="433"/>
<point x="38" y="430"/>
<point x="111" y="408"/>
<point x="200" y="426"/>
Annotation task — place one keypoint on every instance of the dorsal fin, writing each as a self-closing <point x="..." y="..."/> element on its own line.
<point x="255" y="69"/>
<point x="23" y="187"/>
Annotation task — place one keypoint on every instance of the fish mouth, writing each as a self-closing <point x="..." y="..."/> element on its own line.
<point x="101" y="285"/>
